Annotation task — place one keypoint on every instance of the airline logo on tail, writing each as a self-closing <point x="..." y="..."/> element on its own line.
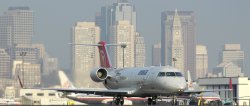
<point x="104" y="59"/>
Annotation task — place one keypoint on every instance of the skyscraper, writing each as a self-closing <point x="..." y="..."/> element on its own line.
<point x="16" y="27"/>
<point x="139" y="50"/>
<point x="233" y="53"/>
<point x="5" y="64"/>
<point x="156" y="54"/>
<point x="84" y="58"/>
<point x="123" y="32"/>
<point x="32" y="53"/>
<point x="188" y="33"/>
<point x="176" y="48"/>
<point x="121" y="10"/>
<point x="201" y="62"/>
<point x="29" y="73"/>
<point x="228" y="69"/>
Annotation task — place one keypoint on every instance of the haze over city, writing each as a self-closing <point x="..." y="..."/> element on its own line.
<point x="217" y="23"/>
<point x="181" y="52"/>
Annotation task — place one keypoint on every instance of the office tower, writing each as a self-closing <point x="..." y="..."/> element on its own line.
<point x="139" y="50"/>
<point x="41" y="48"/>
<point x="16" y="27"/>
<point x="5" y="64"/>
<point x="228" y="69"/>
<point x="49" y="65"/>
<point x="176" y="47"/>
<point x="30" y="74"/>
<point x="201" y="62"/>
<point x="85" y="58"/>
<point x="233" y="53"/>
<point x="123" y="32"/>
<point x="32" y="53"/>
<point x="188" y="32"/>
<point x="121" y="10"/>
<point x="156" y="54"/>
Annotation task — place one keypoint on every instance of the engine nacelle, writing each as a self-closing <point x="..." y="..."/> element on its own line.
<point x="99" y="75"/>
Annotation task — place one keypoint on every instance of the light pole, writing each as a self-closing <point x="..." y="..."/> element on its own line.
<point x="174" y="60"/>
<point x="23" y="54"/>
<point x="123" y="47"/>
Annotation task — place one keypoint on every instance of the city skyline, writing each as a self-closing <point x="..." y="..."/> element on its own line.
<point x="228" y="24"/>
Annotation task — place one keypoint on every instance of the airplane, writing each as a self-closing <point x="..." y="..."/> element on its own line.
<point x="146" y="82"/>
<point x="143" y="82"/>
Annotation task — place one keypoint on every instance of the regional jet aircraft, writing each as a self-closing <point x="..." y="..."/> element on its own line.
<point x="132" y="82"/>
<point x="151" y="82"/>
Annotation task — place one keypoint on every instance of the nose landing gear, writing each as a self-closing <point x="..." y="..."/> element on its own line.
<point x="152" y="101"/>
<point x="118" y="100"/>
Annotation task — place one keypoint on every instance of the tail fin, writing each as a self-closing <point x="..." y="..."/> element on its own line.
<point x="189" y="81"/>
<point x="65" y="82"/>
<point x="104" y="57"/>
<point x="230" y="84"/>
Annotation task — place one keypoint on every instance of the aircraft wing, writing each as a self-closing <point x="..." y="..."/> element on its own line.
<point x="102" y="92"/>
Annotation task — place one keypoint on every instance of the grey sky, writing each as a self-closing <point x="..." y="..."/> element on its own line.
<point x="217" y="22"/>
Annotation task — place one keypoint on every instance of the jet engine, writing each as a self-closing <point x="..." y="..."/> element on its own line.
<point x="99" y="75"/>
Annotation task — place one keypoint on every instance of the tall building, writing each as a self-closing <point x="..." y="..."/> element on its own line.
<point x="139" y="50"/>
<point x="32" y="53"/>
<point x="84" y="58"/>
<point x="5" y="64"/>
<point x="233" y="53"/>
<point x="156" y="54"/>
<point x="187" y="22"/>
<point x="121" y="10"/>
<point x="16" y="27"/>
<point x="201" y="62"/>
<point x="176" y="47"/>
<point x="29" y="73"/>
<point x="49" y="65"/>
<point x="123" y="32"/>
<point x="227" y="69"/>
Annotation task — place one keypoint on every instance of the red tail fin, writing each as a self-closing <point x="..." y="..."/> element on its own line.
<point x="104" y="58"/>
<point x="230" y="84"/>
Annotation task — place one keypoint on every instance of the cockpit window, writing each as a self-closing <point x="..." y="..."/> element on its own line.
<point x="178" y="74"/>
<point x="170" y="74"/>
<point x="161" y="74"/>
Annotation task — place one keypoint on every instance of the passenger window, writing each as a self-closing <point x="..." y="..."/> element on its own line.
<point x="170" y="74"/>
<point x="178" y="74"/>
<point x="161" y="74"/>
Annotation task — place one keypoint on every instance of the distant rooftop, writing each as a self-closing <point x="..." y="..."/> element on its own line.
<point x="122" y="1"/>
<point x="18" y="8"/>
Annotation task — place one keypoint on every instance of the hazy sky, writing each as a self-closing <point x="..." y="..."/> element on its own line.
<point x="217" y="22"/>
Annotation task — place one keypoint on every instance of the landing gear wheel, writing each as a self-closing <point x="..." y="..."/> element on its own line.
<point x="118" y="100"/>
<point x="122" y="101"/>
<point x="150" y="101"/>
<point x="154" y="100"/>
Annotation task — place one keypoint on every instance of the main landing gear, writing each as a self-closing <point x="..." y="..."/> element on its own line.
<point x="152" y="101"/>
<point x="118" y="100"/>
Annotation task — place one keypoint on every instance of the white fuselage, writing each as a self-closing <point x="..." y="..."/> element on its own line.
<point x="146" y="81"/>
